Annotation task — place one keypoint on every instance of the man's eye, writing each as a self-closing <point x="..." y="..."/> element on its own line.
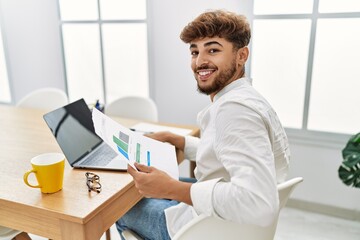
<point x="194" y="53"/>
<point x="213" y="50"/>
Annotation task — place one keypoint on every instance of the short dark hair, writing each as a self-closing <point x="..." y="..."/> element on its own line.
<point x="233" y="27"/>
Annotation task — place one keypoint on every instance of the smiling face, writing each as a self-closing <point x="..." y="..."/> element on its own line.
<point x="215" y="63"/>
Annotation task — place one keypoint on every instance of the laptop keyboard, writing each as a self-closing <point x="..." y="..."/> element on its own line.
<point x="100" y="157"/>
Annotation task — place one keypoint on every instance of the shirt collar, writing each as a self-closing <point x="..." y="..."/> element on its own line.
<point x="237" y="83"/>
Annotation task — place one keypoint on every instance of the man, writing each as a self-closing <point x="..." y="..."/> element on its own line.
<point x="243" y="151"/>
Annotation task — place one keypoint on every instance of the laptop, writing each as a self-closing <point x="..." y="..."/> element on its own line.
<point x="73" y="129"/>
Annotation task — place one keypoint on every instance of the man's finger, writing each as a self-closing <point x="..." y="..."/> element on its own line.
<point x="131" y="170"/>
<point x="143" y="168"/>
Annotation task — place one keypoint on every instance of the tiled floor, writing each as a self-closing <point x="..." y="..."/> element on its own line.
<point x="296" y="224"/>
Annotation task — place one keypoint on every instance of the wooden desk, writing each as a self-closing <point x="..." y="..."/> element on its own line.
<point x="70" y="214"/>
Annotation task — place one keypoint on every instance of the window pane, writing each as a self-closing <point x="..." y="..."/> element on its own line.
<point x="4" y="82"/>
<point x="83" y="66"/>
<point x="126" y="60"/>
<point x="328" y="6"/>
<point x="334" y="102"/>
<point x="279" y="64"/>
<point x="282" y="6"/>
<point x="78" y="9"/>
<point x="123" y="9"/>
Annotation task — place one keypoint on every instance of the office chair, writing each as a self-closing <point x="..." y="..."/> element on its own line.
<point x="44" y="98"/>
<point x="136" y="107"/>
<point x="204" y="227"/>
<point x="7" y="233"/>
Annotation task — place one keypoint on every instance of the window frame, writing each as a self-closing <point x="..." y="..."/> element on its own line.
<point x="304" y="135"/>
<point x="100" y="23"/>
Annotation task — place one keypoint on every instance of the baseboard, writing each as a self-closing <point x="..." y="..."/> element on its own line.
<point x="324" y="209"/>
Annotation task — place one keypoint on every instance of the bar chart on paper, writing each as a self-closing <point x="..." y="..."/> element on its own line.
<point x="141" y="154"/>
<point x="122" y="144"/>
<point x="134" y="147"/>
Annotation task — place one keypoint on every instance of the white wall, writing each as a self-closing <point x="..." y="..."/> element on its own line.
<point x="32" y="36"/>
<point x="319" y="167"/>
<point x="33" y="47"/>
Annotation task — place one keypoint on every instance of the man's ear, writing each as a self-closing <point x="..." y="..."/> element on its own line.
<point x="242" y="55"/>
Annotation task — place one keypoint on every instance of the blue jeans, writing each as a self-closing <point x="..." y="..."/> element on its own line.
<point x="147" y="218"/>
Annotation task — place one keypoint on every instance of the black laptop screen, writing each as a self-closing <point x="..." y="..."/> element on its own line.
<point x="73" y="128"/>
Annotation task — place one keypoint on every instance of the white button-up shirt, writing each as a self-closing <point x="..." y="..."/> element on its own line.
<point x="242" y="154"/>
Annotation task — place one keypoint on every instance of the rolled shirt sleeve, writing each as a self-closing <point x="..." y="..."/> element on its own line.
<point x="191" y="145"/>
<point x="201" y="195"/>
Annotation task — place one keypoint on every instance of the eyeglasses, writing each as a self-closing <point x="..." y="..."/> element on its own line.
<point x="93" y="182"/>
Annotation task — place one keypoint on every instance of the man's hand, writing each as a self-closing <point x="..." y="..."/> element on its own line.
<point x="166" y="136"/>
<point x="150" y="181"/>
<point x="154" y="183"/>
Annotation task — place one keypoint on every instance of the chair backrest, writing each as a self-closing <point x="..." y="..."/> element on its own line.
<point x="7" y="233"/>
<point x="286" y="188"/>
<point x="209" y="228"/>
<point x="44" y="98"/>
<point x="136" y="107"/>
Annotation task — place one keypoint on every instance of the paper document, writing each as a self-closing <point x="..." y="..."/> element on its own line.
<point x="133" y="147"/>
<point x="149" y="128"/>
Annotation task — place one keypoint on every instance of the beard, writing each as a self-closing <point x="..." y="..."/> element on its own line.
<point x="220" y="81"/>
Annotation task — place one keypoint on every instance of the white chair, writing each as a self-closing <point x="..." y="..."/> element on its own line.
<point x="44" y="98"/>
<point x="7" y="233"/>
<point x="136" y="107"/>
<point x="211" y="228"/>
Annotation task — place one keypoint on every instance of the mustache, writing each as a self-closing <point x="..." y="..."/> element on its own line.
<point x="205" y="66"/>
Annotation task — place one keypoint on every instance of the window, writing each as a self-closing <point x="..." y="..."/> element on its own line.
<point x="4" y="81"/>
<point x="305" y="62"/>
<point x="105" y="48"/>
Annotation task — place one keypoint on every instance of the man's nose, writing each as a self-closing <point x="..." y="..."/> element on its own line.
<point x="201" y="59"/>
